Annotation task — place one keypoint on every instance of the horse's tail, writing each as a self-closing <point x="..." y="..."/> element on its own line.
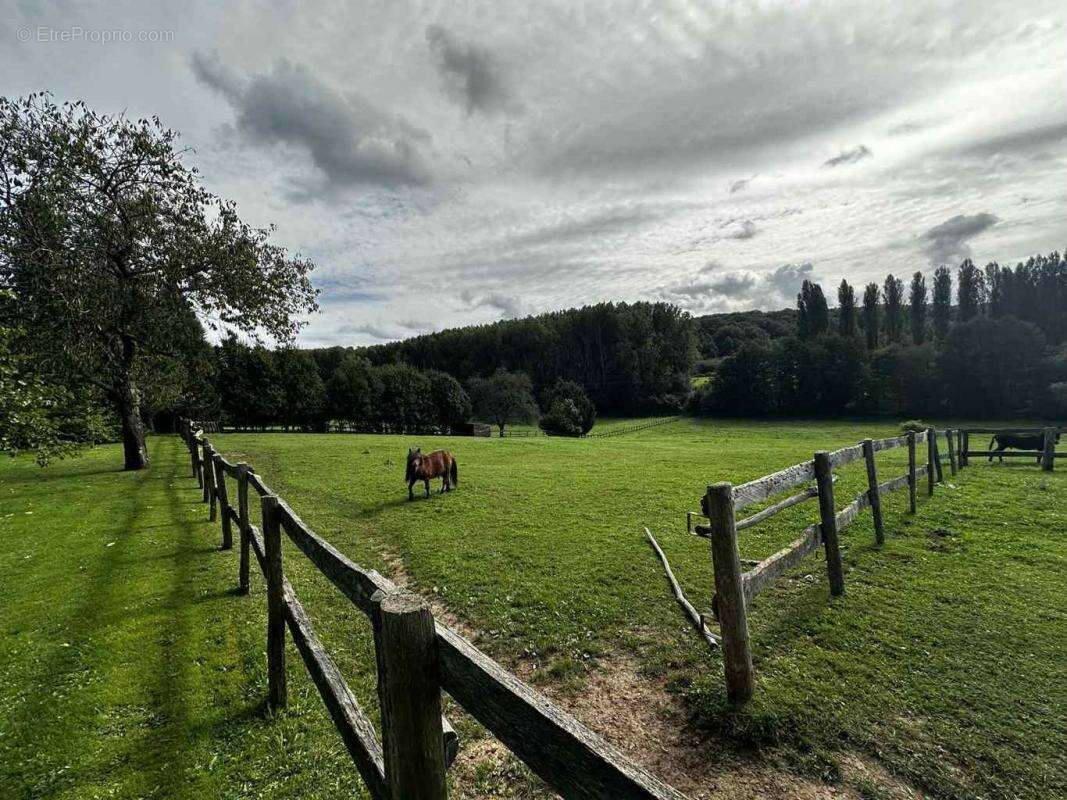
<point x="454" y="472"/>
<point x="992" y="442"/>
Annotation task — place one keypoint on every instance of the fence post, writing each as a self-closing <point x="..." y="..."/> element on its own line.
<point x="965" y="450"/>
<point x="205" y="463"/>
<point x="949" y="434"/>
<point x="209" y="478"/>
<point x="224" y="502"/>
<point x="409" y="690"/>
<point x="1048" y="458"/>
<point x="824" y="479"/>
<point x="873" y="494"/>
<point x="272" y="544"/>
<point x="913" y="504"/>
<point x="242" y="527"/>
<point x="931" y="469"/>
<point x="959" y="449"/>
<point x="733" y="616"/>
<point x="937" y="458"/>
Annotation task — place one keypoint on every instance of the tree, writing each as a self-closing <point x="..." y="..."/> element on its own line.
<point x="452" y="405"/>
<point x="970" y="290"/>
<point x="107" y="237"/>
<point x="574" y="406"/>
<point x="846" y="309"/>
<point x="248" y="385"/>
<point x="406" y="405"/>
<point x="871" y="314"/>
<point x="813" y="315"/>
<point x="505" y="398"/>
<point x="942" y="304"/>
<point x="302" y="390"/>
<point x="996" y="288"/>
<point x="893" y="293"/>
<point x="354" y="391"/>
<point x="917" y="308"/>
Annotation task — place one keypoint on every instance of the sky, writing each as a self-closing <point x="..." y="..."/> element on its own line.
<point x="454" y="163"/>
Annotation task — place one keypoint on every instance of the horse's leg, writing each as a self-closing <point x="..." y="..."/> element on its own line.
<point x="411" y="493"/>
<point x="427" y="482"/>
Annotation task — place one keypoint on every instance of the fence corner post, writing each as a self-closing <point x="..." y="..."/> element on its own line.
<point x="272" y="544"/>
<point x="873" y="493"/>
<point x="931" y="459"/>
<point x="733" y="615"/>
<point x="1048" y="457"/>
<point x="409" y="689"/>
<point x="828" y="523"/>
<point x="950" y="437"/>
<point x="242" y="527"/>
<point x="913" y="504"/>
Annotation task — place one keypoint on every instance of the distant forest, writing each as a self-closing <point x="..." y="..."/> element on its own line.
<point x="975" y="342"/>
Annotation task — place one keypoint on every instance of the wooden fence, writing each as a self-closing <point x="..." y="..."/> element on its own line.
<point x="735" y="589"/>
<point x="1046" y="456"/>
<point x="417" y="658"/>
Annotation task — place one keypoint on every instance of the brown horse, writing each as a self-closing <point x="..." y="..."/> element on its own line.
<point x="438" y="464"/>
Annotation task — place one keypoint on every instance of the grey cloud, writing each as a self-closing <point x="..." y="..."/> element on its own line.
<point x="850" y="156"/>
<point x="470" y="72"/>
<point x="739" y="185"/>
<point x="746" y="230"/>
<point x="507" y="305"/>
<point x="371" y="329"/>
<point x="1030" y="141"/>
<point x="948" y="241"/>
<point x="740" y="290"/>
<point x="349" y="140"/>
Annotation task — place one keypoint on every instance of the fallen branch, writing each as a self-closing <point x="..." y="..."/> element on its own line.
<point x="694" y="616"/>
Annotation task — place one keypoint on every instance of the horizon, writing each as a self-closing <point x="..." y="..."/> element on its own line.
<point x="458" y="167"/>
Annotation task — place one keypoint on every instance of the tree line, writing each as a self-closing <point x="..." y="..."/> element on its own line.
<point x="904" y="349"/>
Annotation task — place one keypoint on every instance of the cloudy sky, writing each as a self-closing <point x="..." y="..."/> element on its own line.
<point x="449" y="163"/>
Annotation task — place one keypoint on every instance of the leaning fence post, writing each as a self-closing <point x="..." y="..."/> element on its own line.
<point x="913" y="504"/>
<point x="873" y="494"/>
<point x="1048" y="458"/>
<point x="205" y="465"/>
<point x="242" y="527"/>
<point x="409" y="690"/>
<point x="960" y="462"/>
<point x="825" y="481"/>
<point x="937" y="459"/>
<point x="733" y="616"/>
<point x="931" y="468"/>
<point x="949" y="434"/>
<point x="209" y="479"/>
<point x="272" y="544"/>
<point x="224" y="502"/>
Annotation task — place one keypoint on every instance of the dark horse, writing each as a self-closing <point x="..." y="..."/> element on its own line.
<point x="1017" y="442"/>
<point x="438" y="464"/>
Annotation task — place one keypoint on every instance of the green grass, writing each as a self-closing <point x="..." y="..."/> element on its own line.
<point x="945" y="659"/>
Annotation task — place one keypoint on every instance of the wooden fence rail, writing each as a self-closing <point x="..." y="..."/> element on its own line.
<point x="735" y="590"/>
<point x="417" y="659"/>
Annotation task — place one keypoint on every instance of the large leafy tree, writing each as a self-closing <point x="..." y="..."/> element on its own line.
<point x="504" y="399"/>
<point x="893" y="293"/>
<point x="917" y="308"/>
<point x="354" y="391"/>
<point x="107" y="238"/>
<point x="871" y="314"/>
<point x="942" y="302"/>
<point x="846" y="309"/>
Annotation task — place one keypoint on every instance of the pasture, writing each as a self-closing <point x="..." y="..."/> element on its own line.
<point x="128" y="667"/>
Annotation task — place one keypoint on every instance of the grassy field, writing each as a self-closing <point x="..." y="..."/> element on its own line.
<point x="129" y="669"/>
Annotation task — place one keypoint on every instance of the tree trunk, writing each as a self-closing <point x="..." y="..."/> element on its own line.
<point x="129" y="405"/>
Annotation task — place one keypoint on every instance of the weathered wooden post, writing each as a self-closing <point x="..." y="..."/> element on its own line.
<point x="873" y="495"/>
<point x="937" y="458"/>
<point x="243" y="527"/>
<point x="733" y="616"/>
<point x="828" y="519"/>
<point x="913" y="504"/>
<point x="409" y="690"/>
<point x="209" y="476"/>
<point x="931" y="469"/>
<point x="205" y="465"/>
<point x="949" y="435"/>
<point x="224" y="502"/>
<point x="960" y="462"/>
<point x="272" y="544"/>
<point x="1048" y="458"/>
<point x="965" y="450"/>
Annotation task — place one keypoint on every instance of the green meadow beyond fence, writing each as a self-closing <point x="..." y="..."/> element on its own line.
<point x="417" y="659"/>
